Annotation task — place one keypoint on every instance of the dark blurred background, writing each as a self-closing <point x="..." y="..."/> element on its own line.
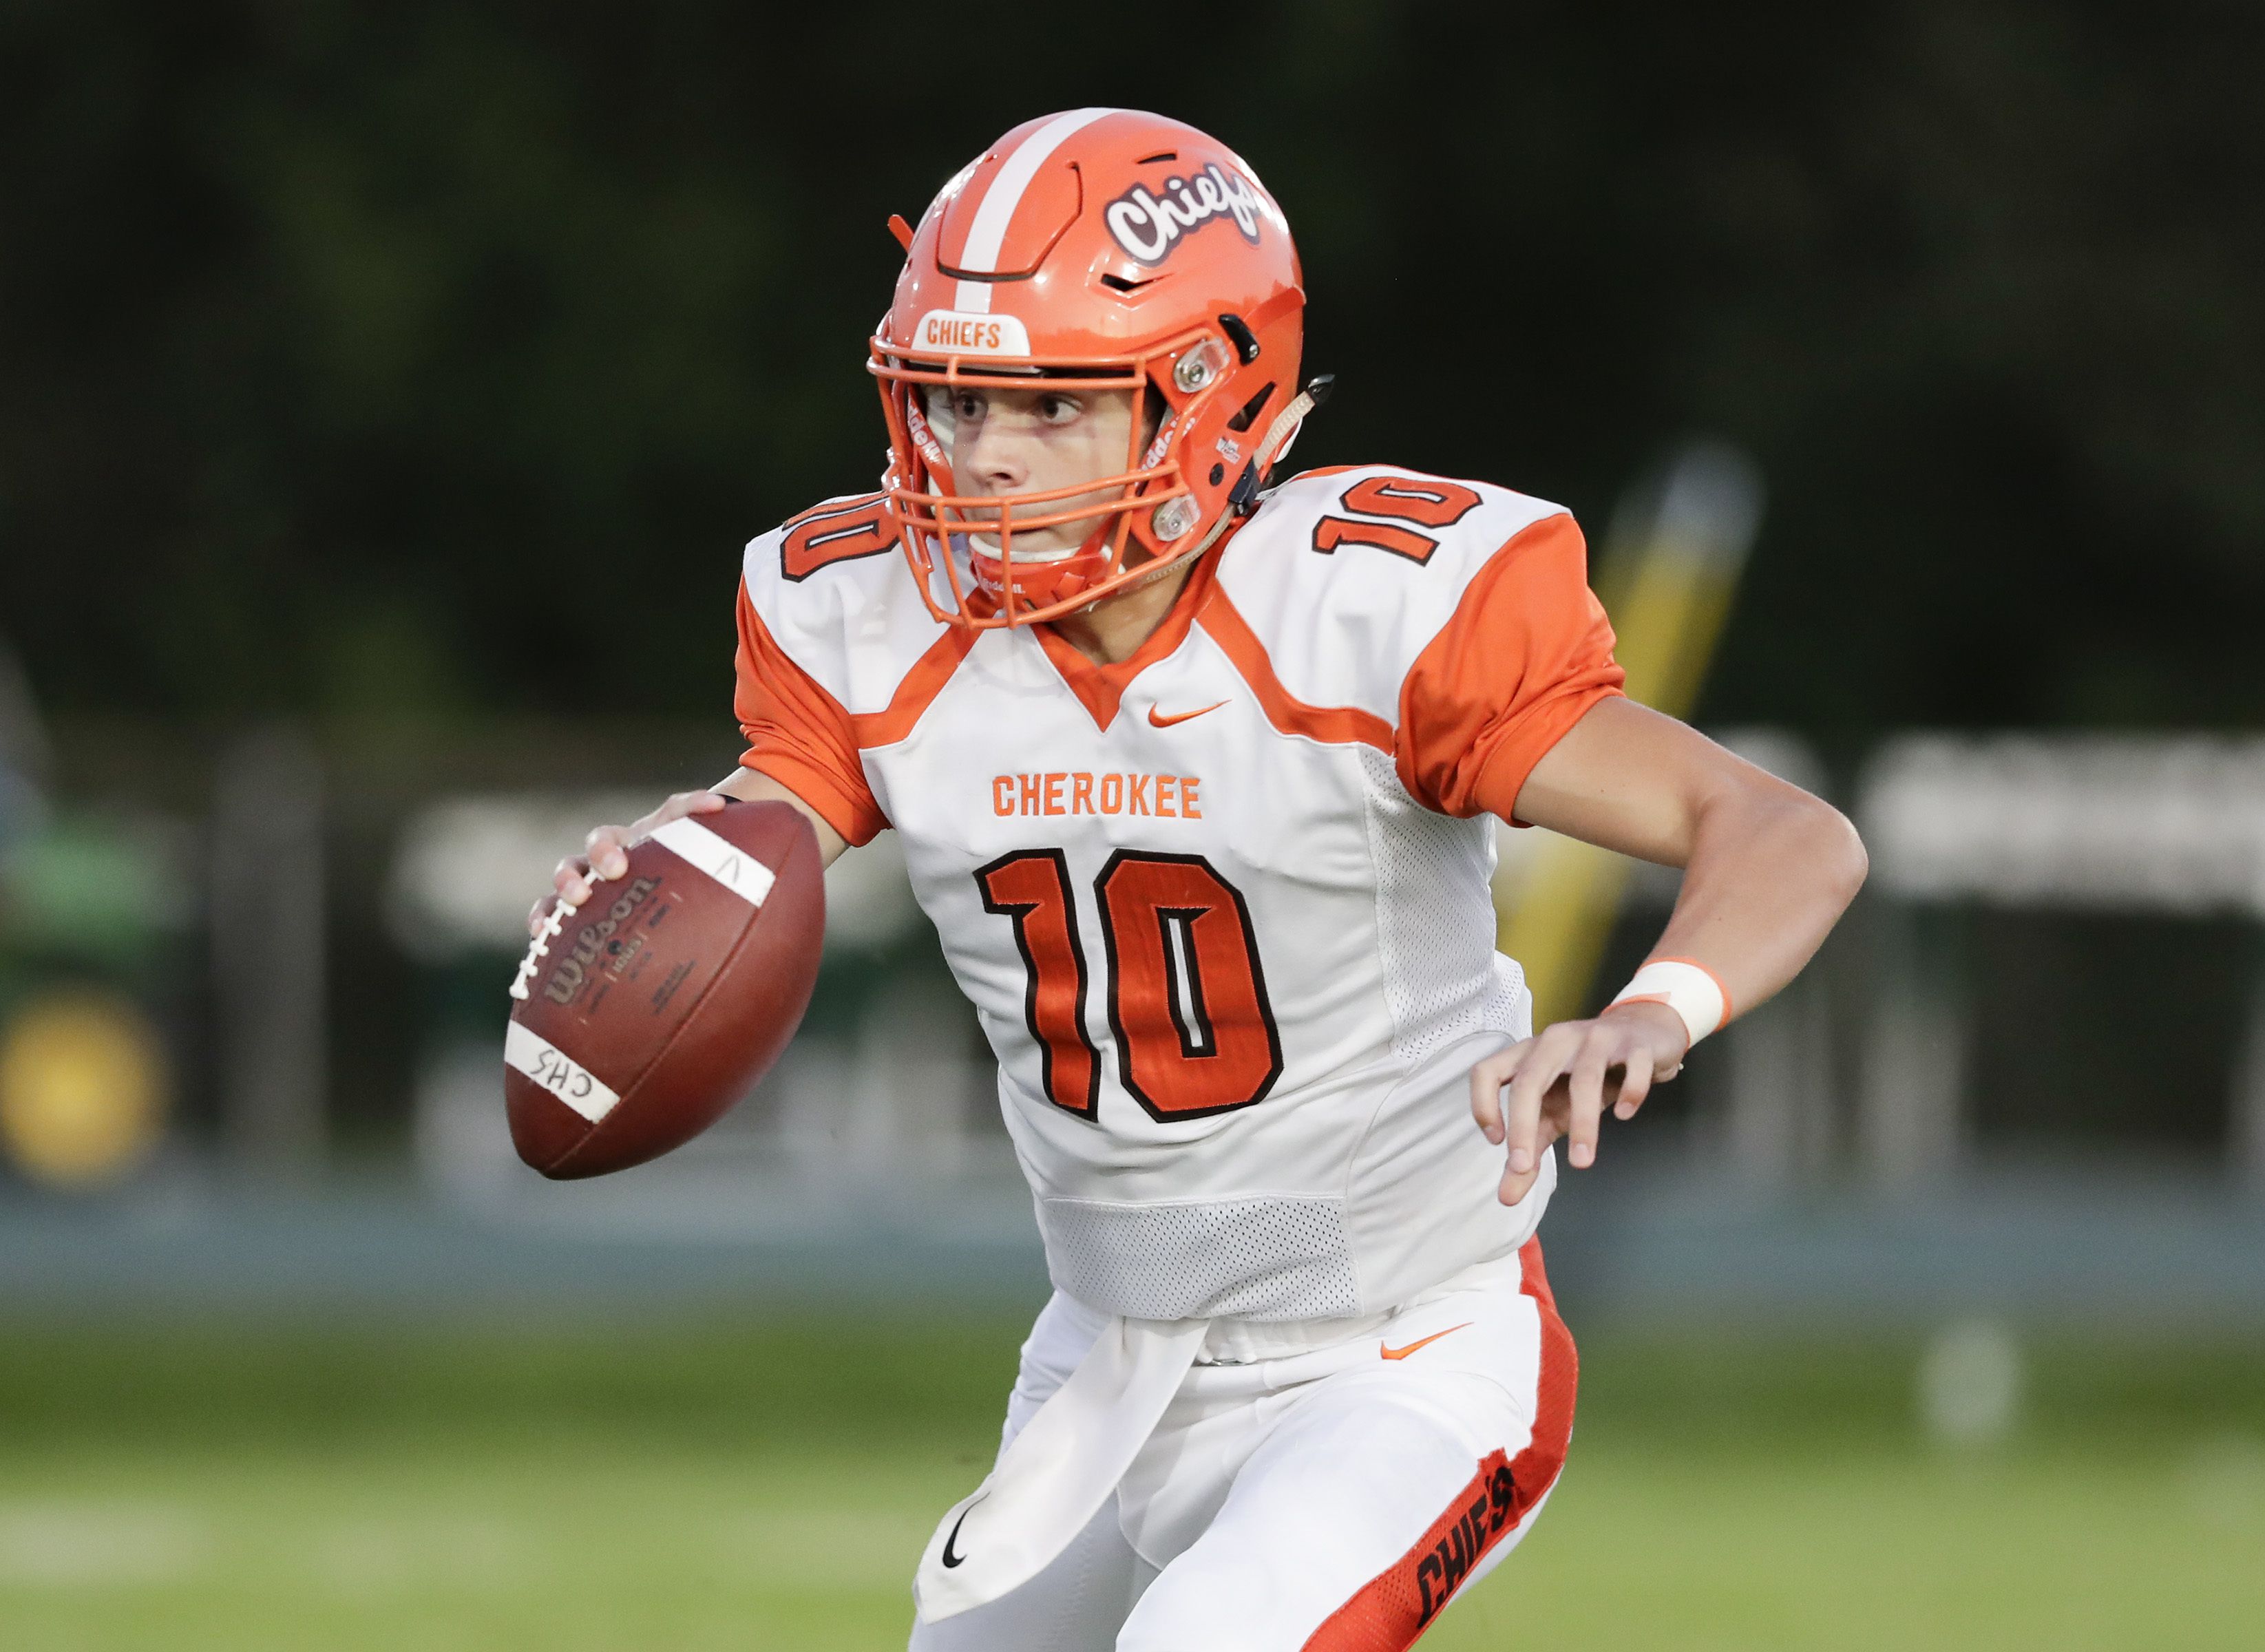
<point x="386" y="394"/>
<point x="382" y="362"/>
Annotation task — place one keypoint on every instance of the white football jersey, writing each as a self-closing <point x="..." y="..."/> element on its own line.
<point x="1223" y="908"/>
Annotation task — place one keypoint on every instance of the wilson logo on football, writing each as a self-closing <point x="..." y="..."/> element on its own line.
<point x="567" y="979"/>
<point x="1147" y="226"/>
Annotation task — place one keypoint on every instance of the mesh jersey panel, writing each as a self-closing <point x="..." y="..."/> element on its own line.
<point x="1260" y="1259"/>
<point x="1435" y="923"/>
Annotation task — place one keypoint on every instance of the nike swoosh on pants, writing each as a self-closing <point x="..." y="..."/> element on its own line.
<point x="1422" y="1341"/>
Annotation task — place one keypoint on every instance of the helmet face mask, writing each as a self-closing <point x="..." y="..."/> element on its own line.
<point x="1020" y="446"/>
<point x="1077" y="253"/>
<point x="981" y="542"/>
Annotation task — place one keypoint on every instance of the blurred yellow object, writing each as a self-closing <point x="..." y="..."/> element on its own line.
<point x="82" y="1087"/>
<point x="1668" y="580"/>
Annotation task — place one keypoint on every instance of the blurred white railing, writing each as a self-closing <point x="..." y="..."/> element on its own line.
<point x="2089" y="822"/>
<point x="2139" y="825"/>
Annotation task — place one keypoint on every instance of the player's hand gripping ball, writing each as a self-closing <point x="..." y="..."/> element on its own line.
<point x="643" y="1014"/>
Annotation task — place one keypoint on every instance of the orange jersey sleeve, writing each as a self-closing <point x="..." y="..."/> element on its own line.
<point x="1527" y="651"/>
<point x="798" y="734"/>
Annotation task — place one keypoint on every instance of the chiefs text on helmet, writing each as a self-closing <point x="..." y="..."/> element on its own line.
<point x="1099" y="250"/>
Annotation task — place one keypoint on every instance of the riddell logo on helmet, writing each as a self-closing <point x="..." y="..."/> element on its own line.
<point x="1148" y="226"/>
<point x="970" y="332"/>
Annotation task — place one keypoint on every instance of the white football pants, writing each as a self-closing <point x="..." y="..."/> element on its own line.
<point x="1329" y="1499"/>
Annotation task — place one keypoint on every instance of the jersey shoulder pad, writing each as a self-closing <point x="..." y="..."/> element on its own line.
<point x="1345" y="574"/>
<point x="836" y="597"/>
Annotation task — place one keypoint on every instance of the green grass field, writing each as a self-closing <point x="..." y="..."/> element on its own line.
<point x="653" y="1487"/>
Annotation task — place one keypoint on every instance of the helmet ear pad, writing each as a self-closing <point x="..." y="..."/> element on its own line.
<point x="1213" y="430"/>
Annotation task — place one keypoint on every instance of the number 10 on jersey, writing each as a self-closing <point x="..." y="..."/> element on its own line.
<point x="1186" y="996"/>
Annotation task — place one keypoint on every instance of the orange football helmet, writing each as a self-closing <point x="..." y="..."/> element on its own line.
<point x="1101" y="249"/>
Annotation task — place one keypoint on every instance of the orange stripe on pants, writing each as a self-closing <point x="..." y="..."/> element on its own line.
<point x="1399" y="1603"/>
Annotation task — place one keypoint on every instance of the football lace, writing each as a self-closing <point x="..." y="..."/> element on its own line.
<point x="540" y="946"/>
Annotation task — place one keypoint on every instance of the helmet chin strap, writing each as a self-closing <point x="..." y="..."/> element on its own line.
<point x="1284" y="431"/>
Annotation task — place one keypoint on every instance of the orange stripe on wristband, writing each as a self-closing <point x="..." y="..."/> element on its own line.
<point x="1728" y="1012"/>
<point x="1688" y="988"/>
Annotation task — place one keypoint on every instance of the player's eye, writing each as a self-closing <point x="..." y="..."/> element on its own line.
<point x="968" y="405"/>
<point x="1057" y="408"/>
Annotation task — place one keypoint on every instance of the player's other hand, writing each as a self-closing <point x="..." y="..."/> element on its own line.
<point x="606" y="853"/>
<point x="1560" y="1082"/>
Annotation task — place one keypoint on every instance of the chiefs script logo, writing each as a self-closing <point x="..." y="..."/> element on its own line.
<point x="1148" y="226"/>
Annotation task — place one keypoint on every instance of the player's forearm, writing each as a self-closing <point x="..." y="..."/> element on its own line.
<point x="750" y="785"/>
<point x="1767" y="868"/>
<point x="1770" y="871"/>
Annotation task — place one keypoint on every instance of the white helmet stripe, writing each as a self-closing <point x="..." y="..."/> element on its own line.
<point x="988" y="232"/>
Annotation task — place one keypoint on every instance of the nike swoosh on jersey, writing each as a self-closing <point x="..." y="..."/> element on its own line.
<point x="1421" y="1342"/>
<point x="950" y="1559"/>
<point x="1161" y="722"/>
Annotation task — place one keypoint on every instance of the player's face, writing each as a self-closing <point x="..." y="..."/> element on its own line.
<point x="1006" y="441"/>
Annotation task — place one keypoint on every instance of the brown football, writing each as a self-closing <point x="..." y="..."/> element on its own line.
<point x="644" y="1015"/>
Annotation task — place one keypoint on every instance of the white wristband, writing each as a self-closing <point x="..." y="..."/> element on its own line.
<point x="1687" y="986"/>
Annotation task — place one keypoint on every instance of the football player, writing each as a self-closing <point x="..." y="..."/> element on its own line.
<point x="1196" y="770"/>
